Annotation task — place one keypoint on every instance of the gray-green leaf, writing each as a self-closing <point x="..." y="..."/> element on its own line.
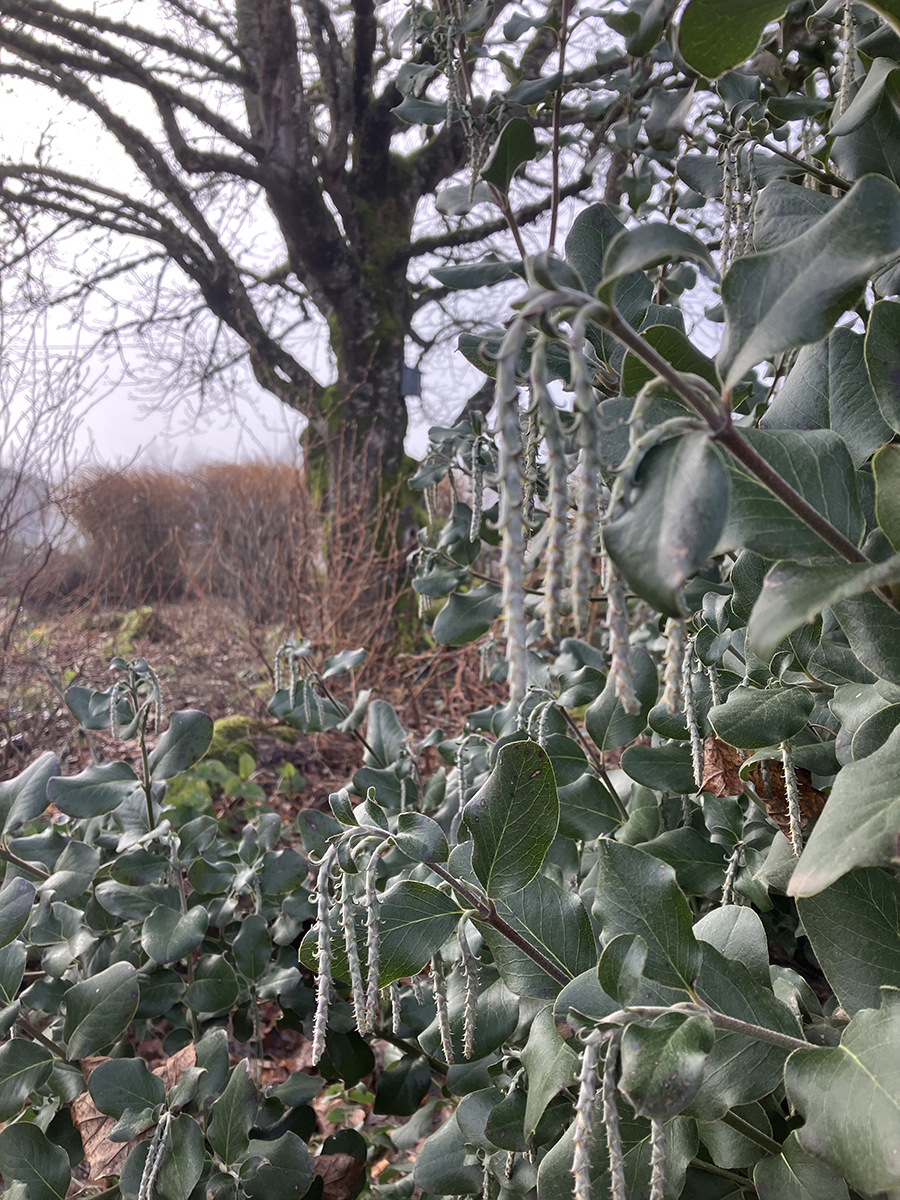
<point x="636" y="893"/>
<point x="168" y="936"/>
<point x="99" y="1009"/>
<point x="793" y="295"/>
<point x="673" y="525"/>
<point x="662" y="1065"/>
<point x="24" y="1066"/>
<point x="849" y="1098"/>
<point x="29" y="1159"/>
<point x="232" y="1116"/>
<point x="513" y="818"/>
<point x="854" y="929"/>
<point x="859" y="825"/>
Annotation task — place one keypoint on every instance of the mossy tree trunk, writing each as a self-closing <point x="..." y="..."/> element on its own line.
<point x="286" y="100"/>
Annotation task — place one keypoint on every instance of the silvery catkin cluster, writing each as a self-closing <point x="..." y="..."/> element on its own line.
<point x="588" y="480"/>
<point x="557" y="494"/>
<point x="511" y="522"/>
<point x="323" y="954"/>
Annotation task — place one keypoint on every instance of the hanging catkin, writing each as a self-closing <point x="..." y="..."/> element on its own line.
<point x="558" y="493"/>
<point x="583" y="1135"/>
<point x="589" y="479"/>
<point x="511" y="523"/>
<point x="323" y="954"/>
<point x="619" y="656"/>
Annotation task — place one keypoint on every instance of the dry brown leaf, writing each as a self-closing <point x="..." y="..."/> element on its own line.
<point x="339" y="1175"/>
<point x="104" y="1158"/>
<point x="774" y="795"/>
<point x="721" y="768"/>
<point x="171" y="1071"/>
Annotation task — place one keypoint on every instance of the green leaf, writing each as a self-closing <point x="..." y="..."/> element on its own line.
<point x="25" y="797"/>
<point x="793" y="595"/>
<point x="28" y="1159"/>
<point x="556" y="923"/>
<point x="297" y="1089"/>
<point x="677" y="349"/>
<point x="873" y="630"/>
<point x="698" y="863"/>
<point x="515" y="146"/>
<point x="73" y="872"/>
<point x="849" y="1098"/>
<point x="716" y="35"/>
<point x="531" y="91"/>
<point x="12" y="970"/>
<point x="854" y="929"/>
<point x="662" y="768"/>
<point x="513" y="818"/>
<point x="859" y="825"/>
<point x="346" y="660"/>
<point x="754" y="717"/>
<point x="568" y="759"/>
<point x="586" y="810"/>
<point x="606" y="721"/>
<point x="16" y="900"/>
<point x="875" y="731"/>
<point x="673" y="525"/>
<point x="184" y="1161"/>
<point x="739" y="1069"/>
<point x="583" y="998"/>
<point x="94" y="791"/>
<point x="621" y="967"/>
<point x="551" y="1065"/>
<point x="476" y="275"/>
<point x="24" y="1066"/>
<point x="443" y="1165"/>
<point x="883" y="358"/>
<point x="184" y="743"/>
<point x="816" y="464"/>
<point x="384" y="733"/>
<point x="793" y="295"/>
<point x="210" y="878"/>
<point x="637" y="894"/>
<point x="168" y="936"/>
<point x="730" y="1149"/>
<point x="420" y="838"/>
<point x="232" y="1116"/>
<point x="739" y="935"/>
<point x="886" y="469"/>
<point x="592" y="233"/>
<point x="458" y="201"/>
<point x="651" y="246"/>
<point x="796" y="1175"/>
<point x="285" y="1173"/>
<point x="413" y="111"/>
<point x="467" y="616"/>
<point x="122" y="1083"/>
<point x="99" y="1009"/>
<point x="828" y="388"/>
<point x="663" y="1064"/>
<point x="402" y="1087"/>
<point x="783" y="211"/>
<point x="253" y="946"/>
<point x="215" y="985"/>
<point x="416" y="920"/>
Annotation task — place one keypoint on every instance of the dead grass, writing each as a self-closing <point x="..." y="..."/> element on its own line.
<point x="208" y="659"/>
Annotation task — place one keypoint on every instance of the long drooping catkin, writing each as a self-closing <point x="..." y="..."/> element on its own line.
<point x="557" y="495"/>
<point x="511" y="523"/>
